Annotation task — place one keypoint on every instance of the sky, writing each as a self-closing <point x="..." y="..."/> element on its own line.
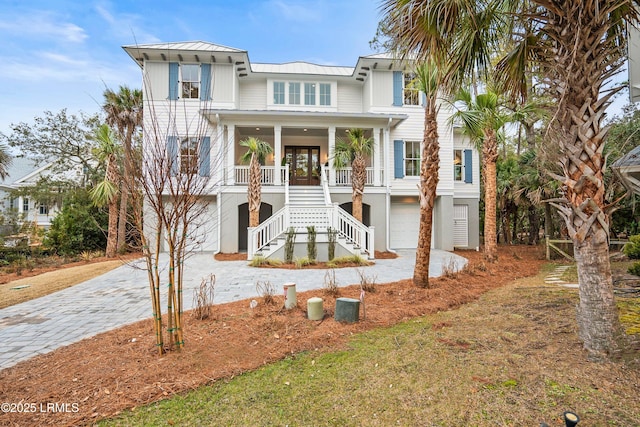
<point x="57" y="54"/>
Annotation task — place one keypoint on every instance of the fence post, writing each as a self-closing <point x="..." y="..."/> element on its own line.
<point x="546" y="243"/>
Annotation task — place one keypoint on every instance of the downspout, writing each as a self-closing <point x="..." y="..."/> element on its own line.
<point x="218" y="193"/>
<point x="387" y="178"/>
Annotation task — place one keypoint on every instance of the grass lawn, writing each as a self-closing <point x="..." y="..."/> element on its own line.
<point x="512" y="358"/>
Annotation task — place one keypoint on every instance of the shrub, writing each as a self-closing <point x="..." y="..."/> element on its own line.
<point x="289" y="245"/>
<point x="312" y="249"/>
<point x="79" y="226"/>
<point x="303" y="262"/>
<point x="260" y="261"/>
<point x="635" y="269"/>
<point x="632" y="249"/>
<point x="332" y="235"/>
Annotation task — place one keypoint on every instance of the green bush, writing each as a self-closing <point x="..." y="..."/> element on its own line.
<point x="632" y="249"/>
<point x="79" y="226"/>
<point x="635" y="269"/>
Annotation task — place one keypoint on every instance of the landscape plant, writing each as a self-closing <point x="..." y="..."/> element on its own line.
<point x="289" y="245"/>
<point x="312" y="248"/>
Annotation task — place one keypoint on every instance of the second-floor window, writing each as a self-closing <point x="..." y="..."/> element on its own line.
<point x="309" y="94"/>
<point x="294" y="93"/>
<point x="301" y="93"/>
<point x="278" y="92"/>
<point x="412" y="158"/>
<point x="325" y="94"/>
<point x="189" y="155"/>
<point x="457" y="165"/>
<point x="43" y="209"/>
<point x="411" y="93"/>
<point x="190" y="81"/>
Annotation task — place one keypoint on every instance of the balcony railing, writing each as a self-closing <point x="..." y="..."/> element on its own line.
<point x="343" y="176"/>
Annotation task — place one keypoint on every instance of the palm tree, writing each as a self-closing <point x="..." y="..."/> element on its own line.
<point x="124" y="113"/>
<point x="354" y="151"/>
<point x="428" y="80"/>
<point x="106" y="191"/>
<point x="257" y="151"/>
<point x="577" y="48"/>
<point x="481" y="120"/>
<point x="5" y="161"/>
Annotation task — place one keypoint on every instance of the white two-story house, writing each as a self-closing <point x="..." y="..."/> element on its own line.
<point x="302" y="110"/>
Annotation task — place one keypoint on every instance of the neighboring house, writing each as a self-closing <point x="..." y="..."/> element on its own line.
<point x="24" y="172"/>
<point x="627" y="168"/>
<point x="301" y="110"/>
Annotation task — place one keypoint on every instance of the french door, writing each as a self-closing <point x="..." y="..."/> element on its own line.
<point x="304" y="165"/>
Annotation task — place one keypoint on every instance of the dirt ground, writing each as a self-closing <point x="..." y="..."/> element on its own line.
<point x="106" y="374"/>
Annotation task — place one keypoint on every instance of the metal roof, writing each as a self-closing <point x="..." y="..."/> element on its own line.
<point x="300" y="67"/>
<point x="190" y="46"/>
<point x="20" y="167"/>
<point x="627" y="168"/>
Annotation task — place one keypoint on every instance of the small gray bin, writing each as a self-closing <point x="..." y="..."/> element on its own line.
<point x="347" y="310"/>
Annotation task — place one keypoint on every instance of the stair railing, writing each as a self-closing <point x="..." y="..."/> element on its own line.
<point x="324" y="175"/>
<point x="354" y="231"/>
<point x="267" y="232"/>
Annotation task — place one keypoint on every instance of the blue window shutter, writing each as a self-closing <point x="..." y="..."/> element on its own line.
<point x="173" y="80"/>
<point x="468" y="166"/>
<point x="397" y="88"/>
<point x="172" y="154"/>
<point x="205" y="82"/>
<point x="398" y="158"/>
<point x="203" y="156"/>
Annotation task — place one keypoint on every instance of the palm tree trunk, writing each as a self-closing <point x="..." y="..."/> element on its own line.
<point x="124" y="191"/>
<point x="112" y="231"/>
<point x="358" y="179"/>
<point x="428" y="184"/>
<point x="254" y="192"/>
<point x="489" y="159"/>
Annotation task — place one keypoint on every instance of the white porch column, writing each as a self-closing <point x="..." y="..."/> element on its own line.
<point x="376" y="157"/>
<point x="217" y="152"/>
<point x="386" y="144"/>
<point x="332" y="146"/>
<point x="277" y="160"/>
<point x="231" y="154"/>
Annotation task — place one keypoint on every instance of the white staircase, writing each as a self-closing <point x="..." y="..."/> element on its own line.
<point x="304" y="196"/>
<point x="310" y="205"/>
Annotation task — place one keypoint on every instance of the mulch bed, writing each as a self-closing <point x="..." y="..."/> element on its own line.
<point x="102" y="376"/>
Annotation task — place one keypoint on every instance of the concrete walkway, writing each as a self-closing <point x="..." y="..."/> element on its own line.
<point x="121" y="296"/>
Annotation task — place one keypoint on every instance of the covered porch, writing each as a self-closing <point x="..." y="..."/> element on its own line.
<point x="302" y="143"/>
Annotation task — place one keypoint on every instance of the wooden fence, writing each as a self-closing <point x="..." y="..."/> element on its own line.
<point x="551" y="244"/>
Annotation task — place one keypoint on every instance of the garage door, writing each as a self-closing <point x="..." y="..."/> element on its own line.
<point x="405" y="225"/>
<point x="461" y="226"/>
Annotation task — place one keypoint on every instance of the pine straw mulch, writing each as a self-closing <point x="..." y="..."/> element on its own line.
<point x="101" y="376"/>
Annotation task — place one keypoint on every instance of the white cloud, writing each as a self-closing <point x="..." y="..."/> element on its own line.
<point x="297" y="11"/>
<point x="43" y="25"/>
<point x="125" y="26"/>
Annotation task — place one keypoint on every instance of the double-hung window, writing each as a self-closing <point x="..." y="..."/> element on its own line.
<point x="25" y="205"/>
<point x="189" y="155"/>
<point x="309" y="94"/>
<point x="43" y="209"/>
<point x="190" y="81"/>
<point x="412" y="158"/>
<point x="278" y="93"/>
<point x="411" y="92"/>
<point x="457" y="165"/>
<point x="325" y="94"/>
<point x="294" y="93"/>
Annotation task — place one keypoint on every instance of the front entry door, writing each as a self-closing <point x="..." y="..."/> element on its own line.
<point x="304" y="165"/>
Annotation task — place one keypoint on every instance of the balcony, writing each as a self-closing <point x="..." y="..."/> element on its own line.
<point x="342" y="177"/>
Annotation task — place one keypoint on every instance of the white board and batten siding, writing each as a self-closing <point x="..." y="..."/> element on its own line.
<point x="254" y="95"/>
<point x="349" y="98"/>
<point x="203" y="233"/>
